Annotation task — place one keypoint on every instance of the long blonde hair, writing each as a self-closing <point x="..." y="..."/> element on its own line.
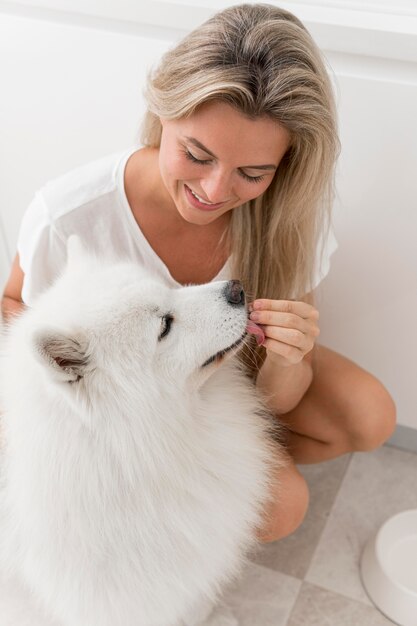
<point x="262" y="61"/>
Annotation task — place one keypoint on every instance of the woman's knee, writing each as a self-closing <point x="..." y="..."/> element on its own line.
<point x="364" y="413"/>
<point x="288" y="507"/>
<point x="377" y="420"/>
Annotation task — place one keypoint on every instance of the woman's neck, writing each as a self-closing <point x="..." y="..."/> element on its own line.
<point x="145" y="189"/>
<point x="150" y="201"/>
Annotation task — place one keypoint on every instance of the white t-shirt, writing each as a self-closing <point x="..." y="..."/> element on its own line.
<point x="90" y="201"/>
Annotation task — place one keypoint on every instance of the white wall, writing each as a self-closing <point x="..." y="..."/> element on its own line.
<point x="71" y="74"/>
<point x="68" y="94"/>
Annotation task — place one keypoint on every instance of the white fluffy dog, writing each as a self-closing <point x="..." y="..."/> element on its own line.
<point x="138" y="458"/>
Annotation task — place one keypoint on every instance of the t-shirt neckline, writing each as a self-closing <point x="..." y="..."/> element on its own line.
<point x="136" y="229"/>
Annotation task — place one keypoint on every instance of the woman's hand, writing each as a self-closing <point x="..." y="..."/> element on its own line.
<point x="290" y="328"/>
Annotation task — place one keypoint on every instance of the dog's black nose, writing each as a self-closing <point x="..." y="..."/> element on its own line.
<point x="234" y="292"/>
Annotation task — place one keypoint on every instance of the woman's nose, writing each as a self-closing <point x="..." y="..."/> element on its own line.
<point x="217" y="187"/>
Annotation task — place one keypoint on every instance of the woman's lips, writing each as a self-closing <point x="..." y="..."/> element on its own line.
<point x="200" y="205"/>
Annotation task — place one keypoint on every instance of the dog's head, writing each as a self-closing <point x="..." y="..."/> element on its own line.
<point x="108" y="327"/>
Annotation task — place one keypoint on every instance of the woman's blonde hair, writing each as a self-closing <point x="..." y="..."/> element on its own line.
<point x="263" y="62"/>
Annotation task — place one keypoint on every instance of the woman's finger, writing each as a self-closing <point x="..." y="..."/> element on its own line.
<point x="286" y="320"/>
<point x="302" y="309"/>
<point x="289" y="336"/>
<point x="290" y="355"/>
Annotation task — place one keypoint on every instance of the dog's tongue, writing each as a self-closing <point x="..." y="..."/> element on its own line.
<point x="256" y="330"/>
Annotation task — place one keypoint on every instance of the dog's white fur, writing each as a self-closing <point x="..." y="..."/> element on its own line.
<point x="134" y="476"/>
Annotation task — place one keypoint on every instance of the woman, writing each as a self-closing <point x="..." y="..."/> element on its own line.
<point x="234" y="179"/>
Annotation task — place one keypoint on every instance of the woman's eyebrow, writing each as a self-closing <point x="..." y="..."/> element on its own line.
<point x="198" y="144"/>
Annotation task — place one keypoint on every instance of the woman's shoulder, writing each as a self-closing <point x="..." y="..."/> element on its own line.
<point x="83" y="184"/>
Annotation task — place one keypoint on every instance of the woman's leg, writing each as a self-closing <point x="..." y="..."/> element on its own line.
<point x="345" y="409"/>
<point x="288" y="505"/>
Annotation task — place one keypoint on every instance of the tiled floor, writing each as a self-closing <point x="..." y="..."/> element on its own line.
<point x="312" y="577"/>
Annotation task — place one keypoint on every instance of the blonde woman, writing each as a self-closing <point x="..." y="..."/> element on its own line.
<point x="234" y="179"/>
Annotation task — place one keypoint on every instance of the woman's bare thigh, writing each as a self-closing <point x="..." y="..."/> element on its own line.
<point x="345" y="408"/>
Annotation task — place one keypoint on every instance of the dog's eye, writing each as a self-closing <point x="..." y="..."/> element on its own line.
<point x="166" y="326"/>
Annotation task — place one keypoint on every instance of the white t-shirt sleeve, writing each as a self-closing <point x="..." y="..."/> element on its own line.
<point x="42" y="253"/>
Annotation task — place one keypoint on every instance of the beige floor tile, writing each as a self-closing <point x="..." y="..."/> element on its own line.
<point x="261" y="597"/>
<point x="319" y="607"/>
<point x="377" y="485"/>
<point x="292" y="555"/>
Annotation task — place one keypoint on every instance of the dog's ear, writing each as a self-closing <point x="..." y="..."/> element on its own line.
<point x="64" y="354"/>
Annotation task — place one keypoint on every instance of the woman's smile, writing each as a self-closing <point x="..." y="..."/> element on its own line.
<point x="217" y="159"/>
<point x="199" y="203"/>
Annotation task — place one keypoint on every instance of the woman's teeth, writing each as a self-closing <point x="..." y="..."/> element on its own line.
<point x="198" y="198"/>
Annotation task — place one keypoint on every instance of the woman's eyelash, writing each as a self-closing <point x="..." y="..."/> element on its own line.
<point x="251" y="179"/>
<point x="194" y="159"/>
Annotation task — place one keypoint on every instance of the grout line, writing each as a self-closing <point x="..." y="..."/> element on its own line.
<point x="328" y="518"/>
<point x="294" y="603"/>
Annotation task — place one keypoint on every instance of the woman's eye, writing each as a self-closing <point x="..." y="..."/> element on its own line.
<point x="166" y="326"/>
<point x="252" y="179"/>
<point x="194" y="159"/>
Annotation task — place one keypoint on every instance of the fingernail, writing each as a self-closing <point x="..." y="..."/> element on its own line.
<point x="254" y="316"/>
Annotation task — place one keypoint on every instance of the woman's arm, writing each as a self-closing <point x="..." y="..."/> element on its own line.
<point x="11" y="303"/>
<point x="283" y="387"/>
<point x="291" y="329"/>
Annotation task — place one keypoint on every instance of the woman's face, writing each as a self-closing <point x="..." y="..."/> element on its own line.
<point x="217" y="159"/>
